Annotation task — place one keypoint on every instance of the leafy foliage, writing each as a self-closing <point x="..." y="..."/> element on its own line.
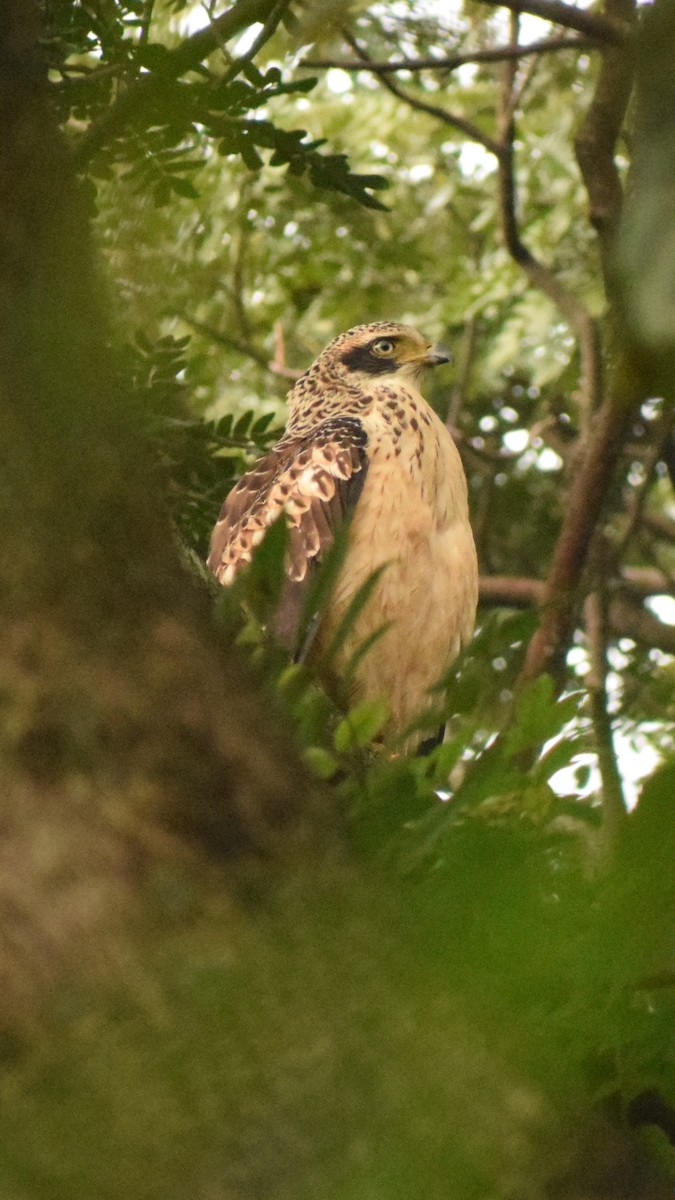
<point x="237" y="238"/>
<point x="255" y="249"/>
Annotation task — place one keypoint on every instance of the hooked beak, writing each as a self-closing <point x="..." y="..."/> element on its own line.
<point x="437" y="354"/>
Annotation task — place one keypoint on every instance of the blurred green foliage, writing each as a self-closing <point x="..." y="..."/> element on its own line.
<point x="238" y="231"/>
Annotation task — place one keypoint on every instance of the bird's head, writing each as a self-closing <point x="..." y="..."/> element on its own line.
<point x="379" y="351"/>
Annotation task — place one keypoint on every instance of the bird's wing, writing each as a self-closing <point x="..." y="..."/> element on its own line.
<point x="315" y="480"/>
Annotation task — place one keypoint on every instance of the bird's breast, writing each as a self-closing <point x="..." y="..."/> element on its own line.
<point x="411" y="522"/>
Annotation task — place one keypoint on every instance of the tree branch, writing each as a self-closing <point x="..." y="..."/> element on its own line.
<point x="433" y="110"/>
<point x="638" y="499"/>
<point x="659" y="525"/>
<point x="512" y="591"/>
<point x="647" y="581"/>
<point x="147" y="21"/>
<point x="627" y="617"/>
<point x="539" y="275"/>
<point x="76" y="75"/>
<point x="521" y="591"/>
<point x="613" y="802"/>
<point x="451" y="62"/>
<point x="269" y="28"/>
<point x="582" y="511"/>
<point x="465" y="364"/>
<point x="604" y="442"/>
<point x="185" y="57"/>
<point x="600" y="28"/>
<point x="595" y="143"/>
<point x="246" y="348"/>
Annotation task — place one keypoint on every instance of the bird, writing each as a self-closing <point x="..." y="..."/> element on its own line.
<point x="363" y="452"/>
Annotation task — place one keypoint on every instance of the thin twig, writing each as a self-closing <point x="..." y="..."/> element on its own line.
<point x="595" y="144"/>
<point x="269" y="28"/>
<point x="278" y="363"/>
<point x="520" y="86"/>
<point x="647" y="581"/>
<point x="79" y="76"/>
<point x="582" y="511"/>
<point x="521" y="591"/>
<point x="245" y="348"/>
<point x="613" y="802"/>
<point x="601" y="28"/>
<point x="238" y="265"/>
<point x="495" y="54"/>
<point x="147" y="19"/>
<point x="627" y="616"/>
<point x="659" y="525"/>
<point x="540" y="275"/>
<point x="464" y="368"/>
<point x="433" y="110"/>
<point x="638" y="499"/>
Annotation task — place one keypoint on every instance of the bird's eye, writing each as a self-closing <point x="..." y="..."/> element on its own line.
<point x="383" y="347"/>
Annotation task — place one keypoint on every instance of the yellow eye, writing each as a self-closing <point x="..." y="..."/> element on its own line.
<point x="383" y="347"/>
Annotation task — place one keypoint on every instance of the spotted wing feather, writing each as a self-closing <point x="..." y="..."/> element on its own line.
<point x="315" y="480"/>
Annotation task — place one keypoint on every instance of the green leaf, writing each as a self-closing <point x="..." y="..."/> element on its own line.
<point x="361" y="725"/>
<point x="153" y="55"/>
<point x="320" y="762"/>
<point x="253" y="75"/>
<point x="161" y="193"/>
<point x="355" y="607"/>
<point x="184" y="188"/>
<point x="250" y="156"/>
<point x="539" y="716"/>
<point x="262" y="424"/>
<point x="263" y="579"/>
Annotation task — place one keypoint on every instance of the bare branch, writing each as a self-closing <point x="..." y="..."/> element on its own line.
<point x="269" y="28"/>
<point x="613" y="802"/>
<point x="78" y="75"/>
<point x="246" y="348"/>
<point x="647" y="581"/>
<point x="638" y="499"/>
<point x="539" y="275"/>
<point x="601" y="28"/>
<point x="464" y="369"/>
<point x="583" y="508"/>
<point x="451" y="62"/>
<point x="147" y="20"/>
<point x="433" y="110"/>
<point x="512" y="591"/>
<point x="659" y="525"/>
<point x="603" y="443"/>
<point x="278" y="364"/>
<point x="595" y="144"/>
<point x="239" y="249"/>
<point x="627" y="617"/>
<point x="518" y="591"/>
